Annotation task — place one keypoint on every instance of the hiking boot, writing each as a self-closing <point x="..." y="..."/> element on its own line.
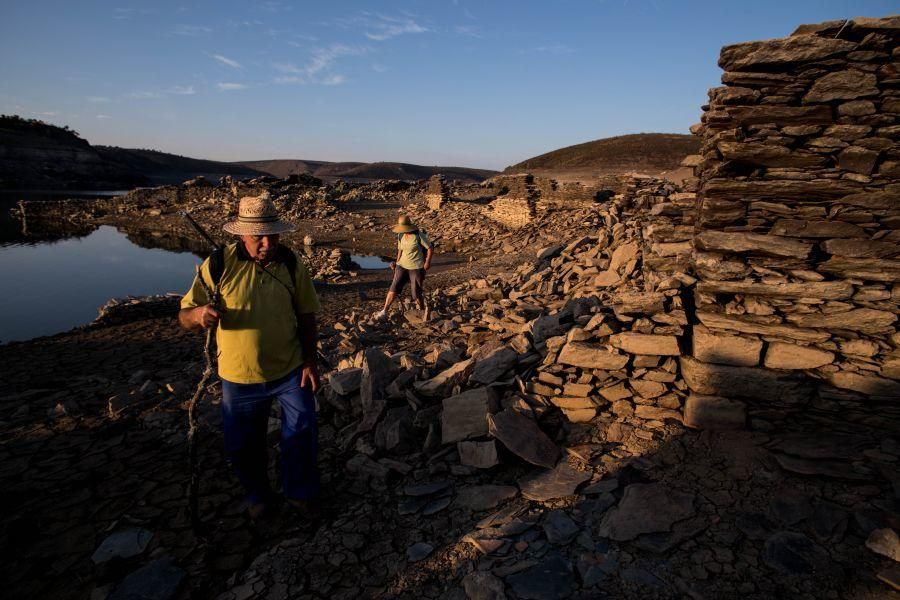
<point x="379" y="315"/>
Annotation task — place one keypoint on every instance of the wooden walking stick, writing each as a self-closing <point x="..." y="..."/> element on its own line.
<point x="214" y="296"/>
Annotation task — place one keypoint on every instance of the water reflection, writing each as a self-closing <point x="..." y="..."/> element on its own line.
<point x="53" y="286"/>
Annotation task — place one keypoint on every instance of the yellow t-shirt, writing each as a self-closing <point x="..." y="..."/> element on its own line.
<point x="411" y="256"/>
<point x="257" y="335"/>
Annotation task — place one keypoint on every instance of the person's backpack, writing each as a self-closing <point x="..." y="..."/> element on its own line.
<point x="217" y="263"/>
<point x="418" y="241"/>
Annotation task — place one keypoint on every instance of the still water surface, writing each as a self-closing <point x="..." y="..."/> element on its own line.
<point x="51" y="287"/>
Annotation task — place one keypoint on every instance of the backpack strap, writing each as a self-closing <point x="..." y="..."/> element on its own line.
<point x="285" y="255"/>
<point x="216" y="266"/>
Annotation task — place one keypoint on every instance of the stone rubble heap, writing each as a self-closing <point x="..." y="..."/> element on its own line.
<point x="797" y="243"/>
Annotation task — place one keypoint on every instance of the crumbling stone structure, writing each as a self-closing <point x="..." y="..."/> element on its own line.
<point x="436" y="192"/>
<point x="797" y="244"/>
<point x="518" y="206"/>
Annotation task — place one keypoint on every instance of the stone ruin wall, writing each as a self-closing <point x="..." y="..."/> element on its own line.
<point x="797" y="243"/>
<point x="518" y="206"/>
<point x="436" y="192"/>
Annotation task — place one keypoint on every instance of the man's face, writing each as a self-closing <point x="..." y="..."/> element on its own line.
<point x="260" y="247"/>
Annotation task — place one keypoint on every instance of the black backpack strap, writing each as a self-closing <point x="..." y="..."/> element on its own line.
<point x="216" y="266"/>
<point x="286" y="255"/>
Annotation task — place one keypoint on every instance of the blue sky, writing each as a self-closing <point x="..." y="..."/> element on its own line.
<point x="482" y="84"/>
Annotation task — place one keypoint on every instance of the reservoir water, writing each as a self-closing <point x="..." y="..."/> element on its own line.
<point x="52" y="286"/>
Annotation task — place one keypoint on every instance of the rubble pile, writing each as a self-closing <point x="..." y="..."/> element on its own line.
<point x="437" y="192"/>
<point x="797" y="244"/>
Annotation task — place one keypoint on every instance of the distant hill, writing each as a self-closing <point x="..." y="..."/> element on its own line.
<point x="648" y="153"/>
<point x="365" y="171"/>
<point x="37" y="155"/>
<point x="161" y="167"/>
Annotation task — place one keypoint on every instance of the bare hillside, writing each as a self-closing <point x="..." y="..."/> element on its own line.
<point x="365" y="171"/>
<point x="648" y="153"/>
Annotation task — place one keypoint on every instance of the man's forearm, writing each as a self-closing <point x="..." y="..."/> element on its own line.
<point x="309" y="336"/>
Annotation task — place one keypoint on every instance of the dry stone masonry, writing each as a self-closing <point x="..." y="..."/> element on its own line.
<point x="798" y="226"/>
<point x="436" y="192"/>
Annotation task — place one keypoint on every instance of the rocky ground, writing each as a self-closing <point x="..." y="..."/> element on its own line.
<point x="527" y="440"/>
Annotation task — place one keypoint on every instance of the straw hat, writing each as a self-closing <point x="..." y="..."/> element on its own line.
<point x="257" y="216"/>
<point x="404" y="225"/>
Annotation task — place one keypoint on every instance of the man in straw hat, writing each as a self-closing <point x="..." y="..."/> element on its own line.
<point x="414" y="252"/>
<point x="266" y="341"/>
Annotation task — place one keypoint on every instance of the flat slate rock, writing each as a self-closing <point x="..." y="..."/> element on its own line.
<point x="122" y="544"/>
<point x="484" y="497"/>
<point x="548" y="485"/>
<point x="426" y="489"/>
<point x="482" y="585"/>
<point x="794" y="553"/>
<point x="559" y="528"/>
<point x="522" y="436"/>
<point x="158" y="580"/>
<point x="550" y="579"/>
<point x="419" y="551"/>
<point x="646" y="508"/>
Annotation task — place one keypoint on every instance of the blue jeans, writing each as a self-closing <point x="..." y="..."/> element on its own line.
<point x="245" y="416"/>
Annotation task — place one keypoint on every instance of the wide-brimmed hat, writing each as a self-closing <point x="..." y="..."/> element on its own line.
<point x="404" y="225"/>
<point x="257" y="216"/>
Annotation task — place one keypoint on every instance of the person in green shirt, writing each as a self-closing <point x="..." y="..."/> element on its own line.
<point x="414" y="251"/>
<point x="266" y="337"/>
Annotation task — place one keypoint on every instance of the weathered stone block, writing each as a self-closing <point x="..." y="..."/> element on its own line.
<point x="640" y="343"/>
<point x="725" y="349"/>
<point x="745" y="382"/>
<point x="481" y="455"/>
<point x="714" y="413"/>
<point x="791" y="356"/>
<point x="590" y="356"/>
<point x="465" y="415"/>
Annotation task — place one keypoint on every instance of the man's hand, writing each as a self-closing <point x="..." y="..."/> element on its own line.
<point x="310" y="374"/>
<point x="393" y="265"/>
<point x="427" y="265"/>
<point x="206" y="316"/>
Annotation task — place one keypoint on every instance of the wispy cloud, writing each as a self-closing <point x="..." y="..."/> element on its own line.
<point x="103" y="117"/>
<point x="383" y="27"/>
<point x="468" y="30"/>
<point x="334" y="80"/>
<point x="191" y="30"/>
<point x="143" y="95"/>
<point x="555" y="49"/>
<point x="228" y="86"/>
<point x="227" y="61"/>
<point x="182" y="90"/>
<point x="318" y="68"/>
<point x="97" y="99"/>
<point x="47" y="113"/>
<point x="379" y="68"/>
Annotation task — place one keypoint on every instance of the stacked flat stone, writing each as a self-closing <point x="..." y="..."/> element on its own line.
<point x="437" y="193"/>
<point x="797" y="245"/>
<point x="518" y="206"/>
